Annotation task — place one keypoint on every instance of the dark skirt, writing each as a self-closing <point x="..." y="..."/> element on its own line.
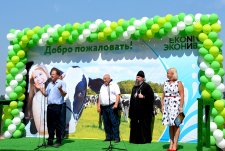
<point x="140" y="131"/>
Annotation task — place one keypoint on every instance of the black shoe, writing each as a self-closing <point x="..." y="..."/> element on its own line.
<point x="50" y="143"/>
<point x="117" y="140"/>
<point x="57" y="145"/>
<point x="107" y="139"/>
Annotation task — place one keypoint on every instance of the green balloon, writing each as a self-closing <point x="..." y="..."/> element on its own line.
<point x="125" y="24"/>
<point x="14" y="71"/>
<point x="46" y="27"/>
<point x="119" y="31"/>
<point x="40" y="32"/>
<point x="113" y="35"/>
<point x="15" y="112"/>
<point x="213" y="18"/>
<point x="218" y="43"/>
<point x="136" y="35"/>
<point x="9" y="77"/>
<point x="155" y="19"/>
<point x="31" y="44"/>
<point x="7" y="122"/>
<point x="86" y="24"/>
<point x="75" y="34"/>
<point x="221" y="72"/>
<point x="11" y="53"/>
<point x="94" y="36"/>
<point x="214" y="112"/>
<point x="20" y="127"/>
<point x="189" y="29"/>
<point x="216" y="94"/>
<point x="55" y="36"/>
<point x="167" y="26"/>
<point x="15" y="41"/>
<point x="70" y="40"/>
<point x="50" y="41"/>
<point x="20" y="65"/>
<point x="162" y="32"/>
<point x="35" y="38"/>
<point x="149" y="23"/>
<point x="174" y="20"/>
<point x="212" y="141"/>
<point x="131" y="21"/>
<point x="20" y="104"/>
<point x="22" y="83"/>
<point x="60" y="30"/>
<point x="101" y="27"/>
<point x="17" y="134"/>
<point x="215" y="65"/>
<point x="18" y="89"/>
<point x="213" y="36"/>
<point x="210" y="86"/>
<point x="68" y="27"/>
<point x="204" y="19"/>
<point x="143" y="29"/>
<point x="219" y="120"/>
<point x="203" y="51"/>
<point x="209" y="58"/>
<point x="183" y="33"/>
<point x="181" y="16"/>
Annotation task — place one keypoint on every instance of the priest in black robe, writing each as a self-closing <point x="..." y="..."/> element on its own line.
<point x="141" y="111"/>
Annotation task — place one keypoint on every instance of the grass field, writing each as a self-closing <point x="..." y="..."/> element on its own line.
<point x="88" y="127"/>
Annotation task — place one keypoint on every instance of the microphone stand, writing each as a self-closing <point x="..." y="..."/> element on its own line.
<point x="44" y="144"/>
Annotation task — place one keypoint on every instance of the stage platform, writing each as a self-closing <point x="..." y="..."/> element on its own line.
<point x="28" y="144"/>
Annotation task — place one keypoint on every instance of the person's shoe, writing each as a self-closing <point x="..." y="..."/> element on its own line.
<point x="57" y="145"/>
<point x="50" y="143"/>
<point x="107" y="139"/>
<point x="117" y="140"/>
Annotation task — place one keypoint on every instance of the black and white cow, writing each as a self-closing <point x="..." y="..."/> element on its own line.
<point x="76" y="84"/>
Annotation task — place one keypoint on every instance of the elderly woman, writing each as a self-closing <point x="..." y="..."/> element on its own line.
<point x="172" y="105"/>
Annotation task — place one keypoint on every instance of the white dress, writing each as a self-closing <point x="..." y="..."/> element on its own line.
<point x="171" y="103"/>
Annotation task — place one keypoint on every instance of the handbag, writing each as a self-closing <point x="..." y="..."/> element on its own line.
<point x="179" y="119"/>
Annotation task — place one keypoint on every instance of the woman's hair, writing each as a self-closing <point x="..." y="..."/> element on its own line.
<point x="175" y="75"/>
<point x="32" y="89"/>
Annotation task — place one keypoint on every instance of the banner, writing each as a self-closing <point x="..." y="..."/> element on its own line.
<point x="82" y="68"/>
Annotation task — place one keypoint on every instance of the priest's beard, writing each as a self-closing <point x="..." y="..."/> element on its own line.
<point x="138" y="83"/>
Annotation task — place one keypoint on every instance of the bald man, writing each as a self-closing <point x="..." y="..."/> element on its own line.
<point x="108" y="106"/>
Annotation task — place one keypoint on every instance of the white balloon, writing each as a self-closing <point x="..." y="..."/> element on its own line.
<point x="107" y="22"/>
<point x="221" y="87"/>
<point x="197" y="17"/>
<point x="98" y="21"/>
<point x="45" y="37"/>
<point x="57" y="26"/>
<point x="86" y="33"/>
<point x="81" y="39"/>
<point x="126" y="35"/>
<point x="10" y="47"/>
<point x="13" y="83"/>
<point x="21" y="115"/>
<point x="16" y="32"/>
<point x="144" y="19"/>
<point x="219" y="22"/>
<point x="9" y="89"/>
<point x="137" y="23"/>
<point x="7" y="97"/>
<point x="131" y="30"/>
<point x="203" y="66"/>
<point x="16" y="120"/>
<point x="7" y="134"/>
<point x="41" y="42"/>
<point x="175" y="31"/>
<point x="24" y="72"/>
<point x="209" y="72"/>
<point x="19" y="77"/>
<point x="221" y="144"/>
<point x="50" y="30"/>
<point x="181" y="26"/>
<point x="218" y="134"/>
<point x="11" y="36"/>
<point x="216" y="79"/>
<point x="11" y="128"/>
<point x="213" y="126"/>
<point x="93" y="27"/>
<point x="188" y="20"/>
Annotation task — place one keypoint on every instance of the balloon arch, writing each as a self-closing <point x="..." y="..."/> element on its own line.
<point x="204" y="27"/>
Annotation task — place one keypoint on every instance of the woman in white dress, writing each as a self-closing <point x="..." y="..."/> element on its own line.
<point x="172" y="105"/>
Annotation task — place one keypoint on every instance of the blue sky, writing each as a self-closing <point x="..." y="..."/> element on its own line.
<point x="27" y="13"/>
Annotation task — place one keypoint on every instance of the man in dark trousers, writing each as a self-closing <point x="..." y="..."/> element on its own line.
<point x="55" y="91"/>
<point x="141" y="111"/>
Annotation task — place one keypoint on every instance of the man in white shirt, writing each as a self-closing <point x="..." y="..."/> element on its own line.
<point x="108" y="105"/>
